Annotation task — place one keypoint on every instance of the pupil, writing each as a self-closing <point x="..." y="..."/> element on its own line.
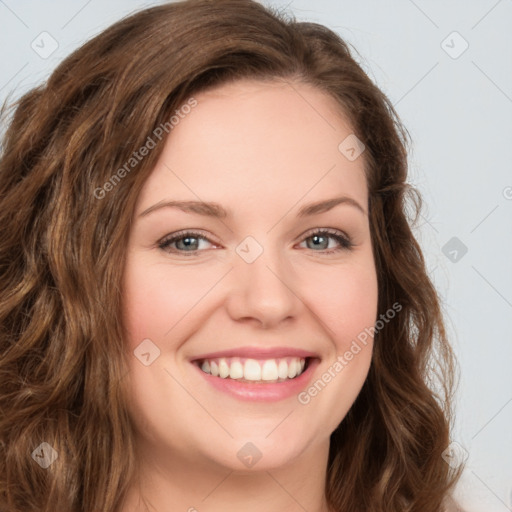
<point x="187" y="241"/>
<point x="317" y="238"/>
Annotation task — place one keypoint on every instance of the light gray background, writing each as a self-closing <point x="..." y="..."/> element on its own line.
<point x="458" y="109"/>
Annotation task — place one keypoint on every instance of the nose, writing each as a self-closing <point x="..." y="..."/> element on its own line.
<point x="263" y="292"/>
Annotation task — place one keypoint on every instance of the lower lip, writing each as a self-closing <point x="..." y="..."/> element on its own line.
<point x="261" y="391"/>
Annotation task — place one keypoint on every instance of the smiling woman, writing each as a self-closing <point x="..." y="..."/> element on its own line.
<point x="241" y="320"/>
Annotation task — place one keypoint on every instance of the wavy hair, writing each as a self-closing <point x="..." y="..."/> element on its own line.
<point x="62" y="247"/>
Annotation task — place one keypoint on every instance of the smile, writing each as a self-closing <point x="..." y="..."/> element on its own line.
<point x="254" y="370"/>
<point x="257" y="374"/>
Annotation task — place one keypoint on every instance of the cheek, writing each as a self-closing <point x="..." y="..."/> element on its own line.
<point x="157" y="297"/>
<point x="345" y="300"/>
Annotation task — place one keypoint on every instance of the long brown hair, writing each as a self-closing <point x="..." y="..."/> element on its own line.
<point x="63" y="233"/>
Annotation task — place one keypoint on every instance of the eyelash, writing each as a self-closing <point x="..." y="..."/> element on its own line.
<point x="344" y="241"/>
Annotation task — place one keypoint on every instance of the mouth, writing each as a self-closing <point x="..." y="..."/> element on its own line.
<point x="258" y="374"/>
<point x="255" y="370"/>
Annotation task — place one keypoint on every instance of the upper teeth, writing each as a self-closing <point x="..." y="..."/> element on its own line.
<point x="254" y="369"/>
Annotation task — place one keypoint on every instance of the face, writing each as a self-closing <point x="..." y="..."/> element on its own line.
<point x="242" y="314"/>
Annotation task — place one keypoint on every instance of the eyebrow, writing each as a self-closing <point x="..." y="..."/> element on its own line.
<point x="210" y="209"/>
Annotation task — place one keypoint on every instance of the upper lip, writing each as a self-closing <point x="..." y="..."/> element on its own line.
<point x="257" y="353"/>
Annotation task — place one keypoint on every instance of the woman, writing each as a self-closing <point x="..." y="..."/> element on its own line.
<point x="211" y="296"/>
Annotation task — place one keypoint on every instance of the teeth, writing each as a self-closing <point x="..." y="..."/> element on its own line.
<point x="292" y="370"/>
<point x="236" y="370"/>
<point x="269" y="370"/>
<point x="223" y="369"/>
<point x="282" y="370"/>
<point x="254" y="370"/>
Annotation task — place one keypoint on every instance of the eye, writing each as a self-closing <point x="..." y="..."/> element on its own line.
<point x="320" y="237"/>
<point x="188" y="243"/>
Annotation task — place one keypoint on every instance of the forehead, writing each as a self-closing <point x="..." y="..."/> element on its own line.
<point x="258" y="141"/>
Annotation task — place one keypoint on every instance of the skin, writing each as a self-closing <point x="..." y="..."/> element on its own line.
<point x="262" y="150"/>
